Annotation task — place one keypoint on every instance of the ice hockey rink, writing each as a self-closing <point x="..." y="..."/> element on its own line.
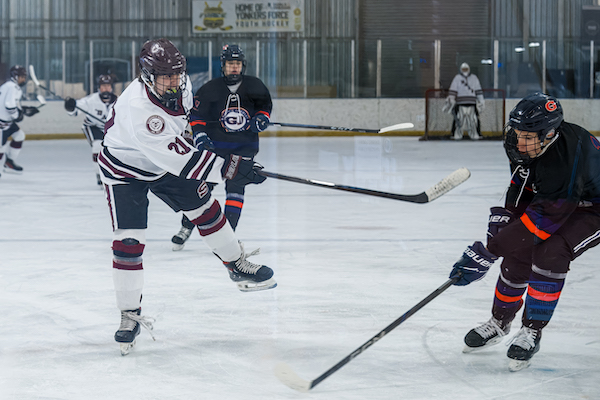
<point x="347" y="265"/>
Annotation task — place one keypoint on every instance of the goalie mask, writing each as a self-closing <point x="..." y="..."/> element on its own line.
<point x="17" y="71"/>
<point x="537" y="118"/>
<point x="162" y="69"/>
<point x="232" y="53"/>
<point x="465" y="69"/>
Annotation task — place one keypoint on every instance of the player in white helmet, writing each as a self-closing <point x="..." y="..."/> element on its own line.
<point x="96" y="108"/>
<point x="144" y="151"/>
<point x="465" y="101"/>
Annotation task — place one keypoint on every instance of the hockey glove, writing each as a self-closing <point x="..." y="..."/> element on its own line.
<point x="259" y="123"/>
<point x="30" y="111"/>
<point x="242" y="171"/>
<point x="70" y="104"/>
<point x="473" y="265"/>
<point x="203" y="142"/>
<point x="499" y="218"/>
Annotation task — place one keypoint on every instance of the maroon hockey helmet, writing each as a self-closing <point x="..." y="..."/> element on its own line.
<point x="16" y="71"/>
<point x="161" y="57"/>
<point x="105" y="79"/>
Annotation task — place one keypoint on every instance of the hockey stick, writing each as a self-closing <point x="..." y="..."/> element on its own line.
<point x="437" y="190"/>
<point x="396" y="127"/>
<point x="38" y="84"/>
<point x="286" y="375"/>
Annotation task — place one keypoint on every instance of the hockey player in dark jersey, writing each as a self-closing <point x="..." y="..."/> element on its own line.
<point x="228" y="114"/>
<point x="550" y="217"/>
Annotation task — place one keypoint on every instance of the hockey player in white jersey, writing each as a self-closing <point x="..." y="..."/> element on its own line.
<point x="11" y="112"/>
<point x="97" y="105"/>
<point x="144" y="151"/>
<point x="465" y="101"/>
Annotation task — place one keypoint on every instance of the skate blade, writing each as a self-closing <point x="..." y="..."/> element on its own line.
<point x="126" y="348"/>
<point x="12" y="171"/>
<point x="517" y="365"/>
<point x="251" y="286"/>
<point x="178" y="247"/>
<point x="468" y="349"/>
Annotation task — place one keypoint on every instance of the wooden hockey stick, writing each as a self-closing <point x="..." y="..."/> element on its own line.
<point x="287" y="376"/>
<point x="390" y="128"/>
<point x="37" y="83"/>
<point x="442" y="187"/>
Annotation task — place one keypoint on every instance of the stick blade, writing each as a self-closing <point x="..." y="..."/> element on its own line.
<point x="397" y="127"/>
<point x="289" y="378"/>
<point x="448" y="183"/>
<point x="41" y="99"/>
<point x="33" y="76"/>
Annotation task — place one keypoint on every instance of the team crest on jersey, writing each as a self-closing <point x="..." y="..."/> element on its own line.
<point x="235" y="119"/>
<point x="155" y="124"/>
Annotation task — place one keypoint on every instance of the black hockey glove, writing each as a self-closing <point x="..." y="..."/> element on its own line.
<point x="242" y="171"/>
<point x="499" y="218"/>
<point x="29" y="111"/>
<point x="70" y="104"/>
<point x="259" y="123"/>
<point x="473" y="265"/>
<point x="203" y="142"/>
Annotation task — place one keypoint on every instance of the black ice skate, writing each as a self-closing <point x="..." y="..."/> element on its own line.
<point x="130" y="329"/>
<point x="181" y="237"/>
<point x="485" y="335"/>
<point x="10" y="166"/>
<point x="248" y="276"/>
<point x="522" y="347"/>
<point x="98" y="180"/>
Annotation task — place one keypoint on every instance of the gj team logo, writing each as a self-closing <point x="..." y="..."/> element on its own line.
<point x="235" y="119"/>
<point x="155" y="124"/>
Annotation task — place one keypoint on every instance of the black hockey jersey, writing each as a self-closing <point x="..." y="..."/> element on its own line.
<point x="545" y="194"/>
<point x="224" y="115"/>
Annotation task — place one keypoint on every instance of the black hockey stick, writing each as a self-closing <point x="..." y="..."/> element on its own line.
<point x="396" y="127"/>
<point x="286" y="375"/>
<point x="37" y="84"/>
<point x="437" y="190"/>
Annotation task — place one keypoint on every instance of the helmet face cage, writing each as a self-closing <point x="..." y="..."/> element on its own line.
<point x="232" y="53"/>
<point x="161" y="57"/>
<point x="16" y="71"/>
<point x="539" y="113"/>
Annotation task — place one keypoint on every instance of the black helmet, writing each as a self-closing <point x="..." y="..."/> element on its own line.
<point x="230" y="53"/>
<point x="539" y="113"/>
<point x="161" y="57"/>
<point x="16" y="71"/>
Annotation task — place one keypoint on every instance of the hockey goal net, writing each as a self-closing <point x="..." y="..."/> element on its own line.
<point x="438" y="123"/>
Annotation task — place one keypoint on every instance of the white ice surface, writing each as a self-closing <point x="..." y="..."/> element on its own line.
<point x="347" y="265"/>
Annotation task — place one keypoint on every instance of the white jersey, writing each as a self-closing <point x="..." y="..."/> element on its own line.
<point x="143" y="140"/>
<point x="93" y="105"/>
<point x="466" y="89"/>
<point x="10" y="103"/>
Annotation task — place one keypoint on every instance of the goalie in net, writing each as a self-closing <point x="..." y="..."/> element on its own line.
<point x="439" y="122"/>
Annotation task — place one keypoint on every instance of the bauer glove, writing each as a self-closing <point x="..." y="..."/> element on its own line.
<point x="499" y="218"/>
<point x="242" y="171"/>
<point x="473" y="265"/>
<point x="259" y="123"/>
